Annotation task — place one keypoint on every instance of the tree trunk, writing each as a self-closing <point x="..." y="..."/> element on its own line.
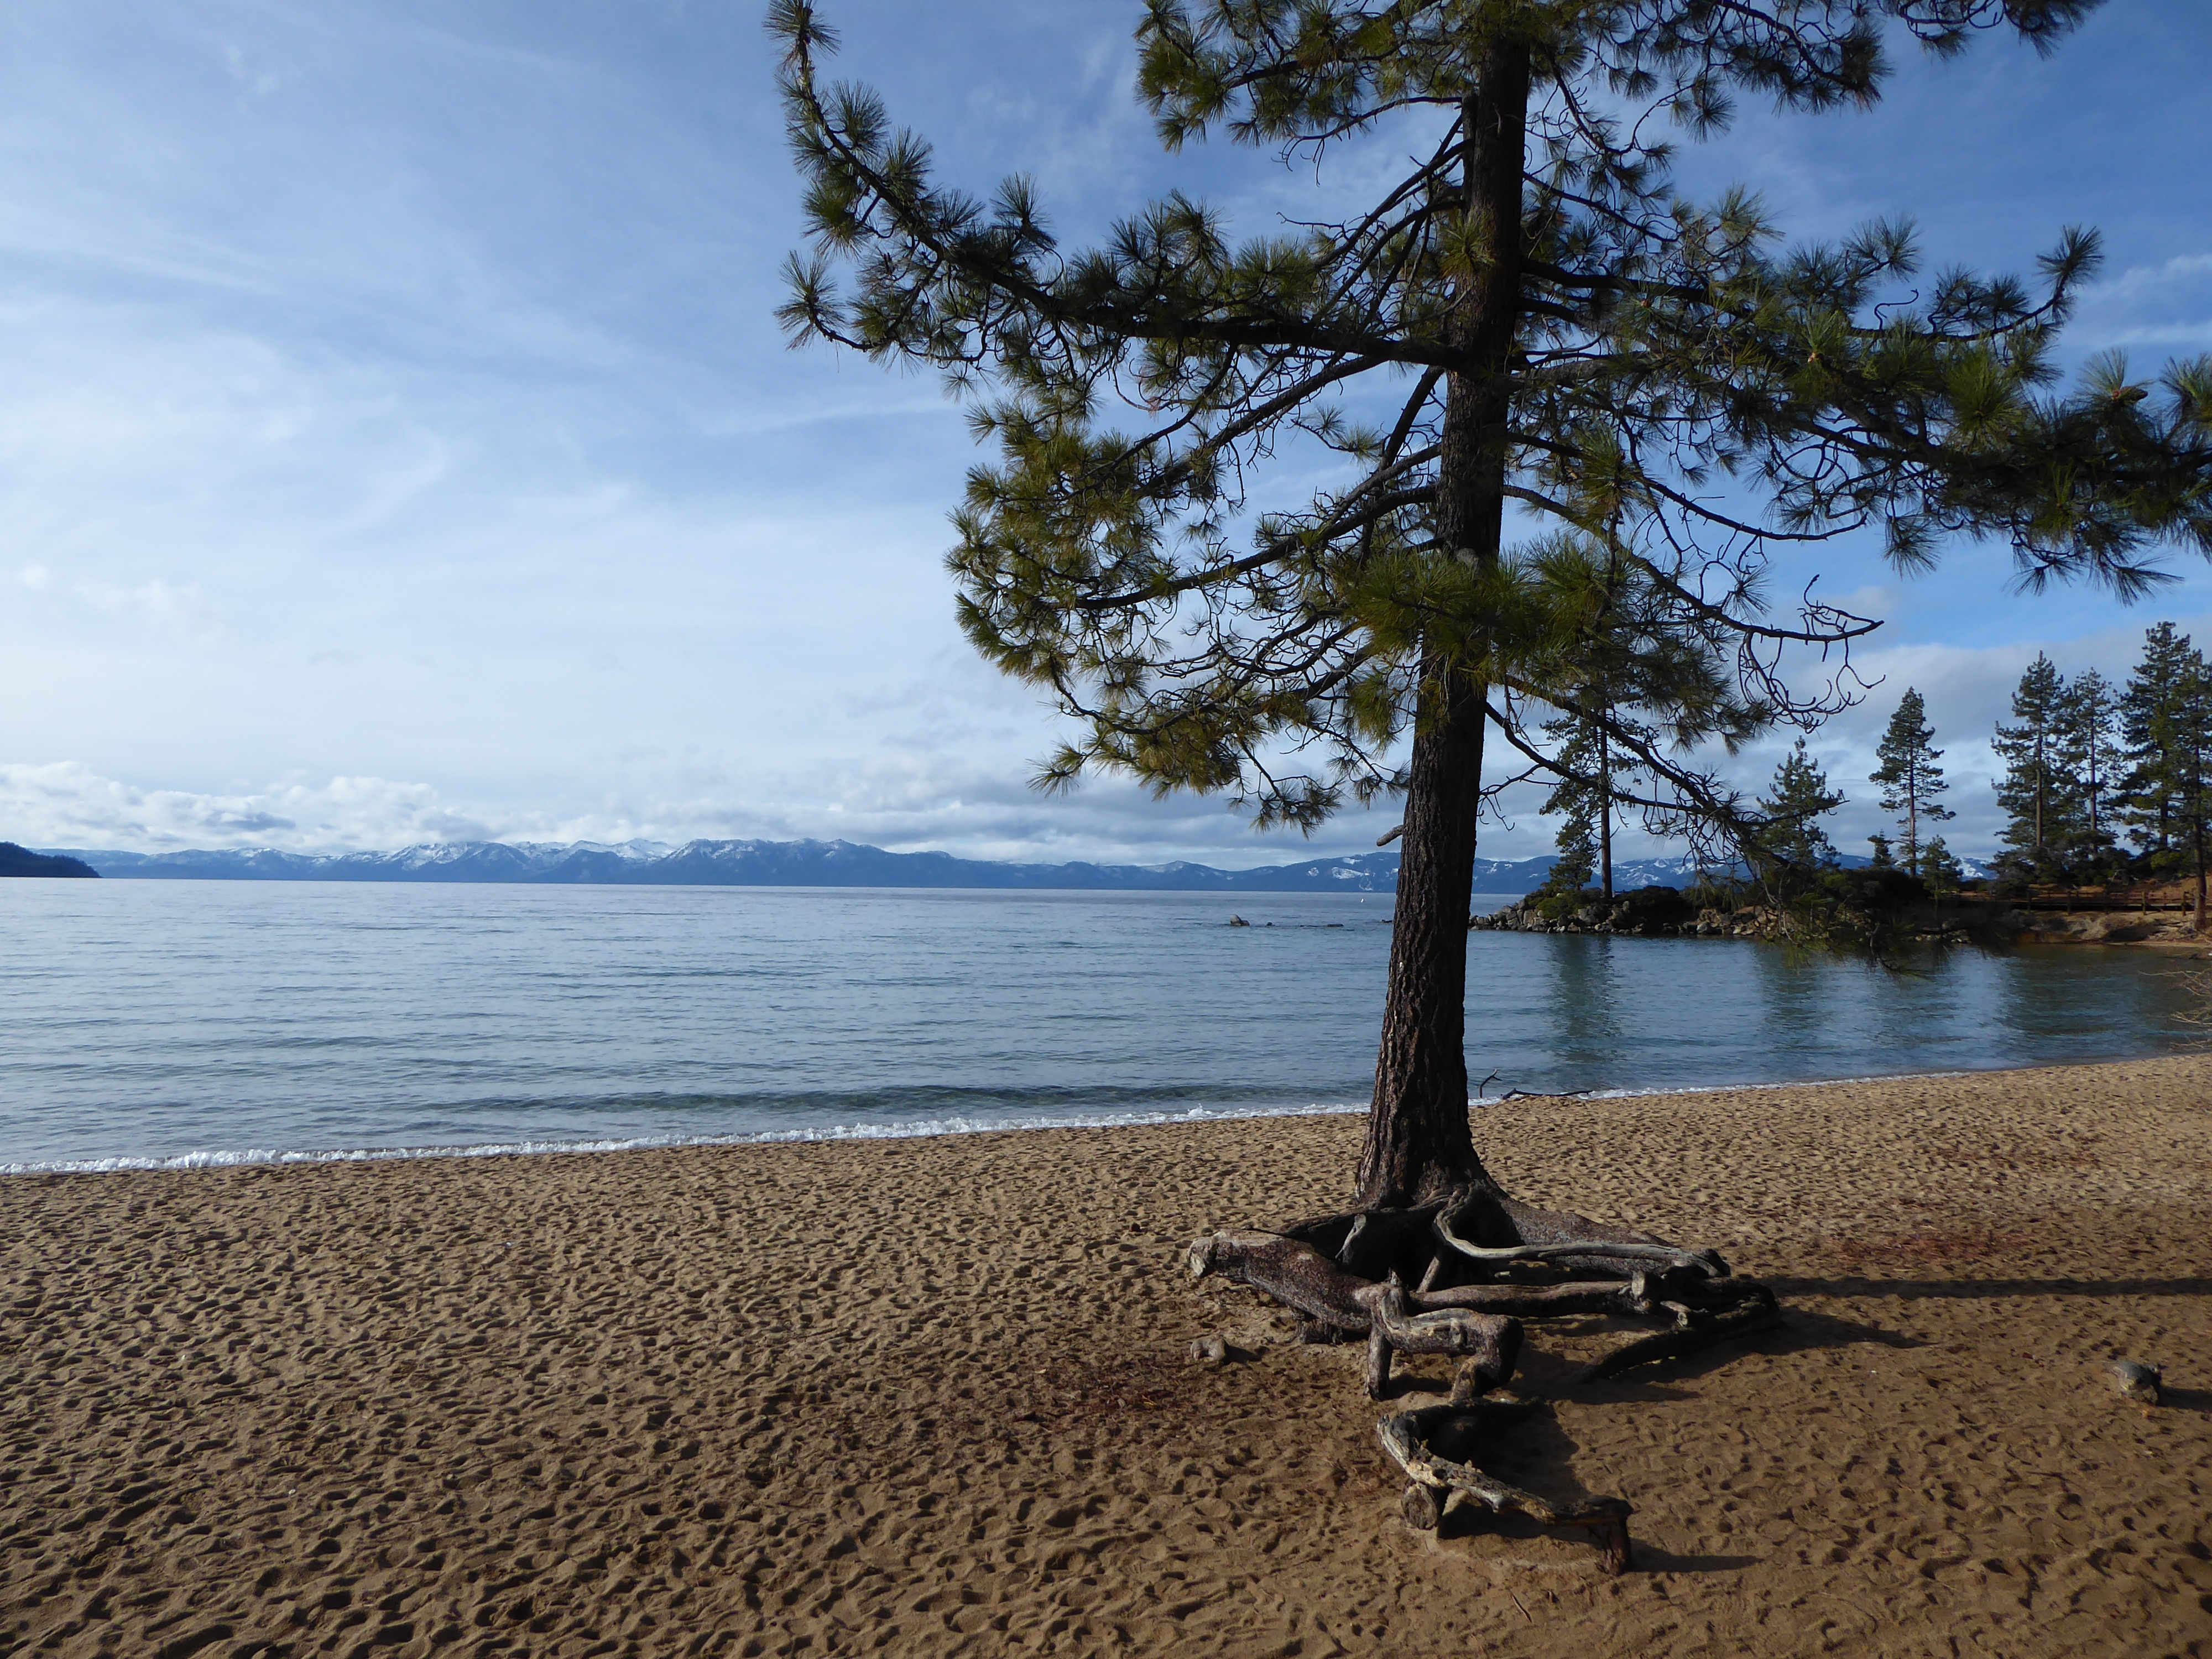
<point x="2042" y="783"/>
<point x="2197" y="827"/>
<point x="1418" y="1145"/>
<point x="1912" y="819"/>
<point x="1605" y="815"/>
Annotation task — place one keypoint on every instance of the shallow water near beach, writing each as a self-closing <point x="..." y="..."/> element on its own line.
<point x="142" y="1022"/>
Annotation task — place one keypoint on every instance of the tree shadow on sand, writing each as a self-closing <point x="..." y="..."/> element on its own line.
<point x="1979" y="1289"/>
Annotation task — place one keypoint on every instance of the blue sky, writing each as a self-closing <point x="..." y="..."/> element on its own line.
<point x="395" y="443"/>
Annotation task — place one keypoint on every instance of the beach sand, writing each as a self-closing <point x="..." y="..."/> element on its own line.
<point x="933" y="1397"/>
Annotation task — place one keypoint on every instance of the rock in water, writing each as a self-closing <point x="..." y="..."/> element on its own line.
<point x="2137" y="1382"/>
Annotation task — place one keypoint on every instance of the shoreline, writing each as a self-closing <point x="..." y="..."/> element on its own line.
<point x="932" y="1129"/>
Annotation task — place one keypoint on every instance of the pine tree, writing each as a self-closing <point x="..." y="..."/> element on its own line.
<point x="2154" y="718"/>
<point x="2181" y="767"/>
<point x="1576" y="840"/>
<point x="1799" y="797"/>
<point x="1593" y="778"/>
<point x="1529" y="312"/>
<point x="1883" y="858"/>
<point x="1580" y="799"/>
<point x="2089" y="733"/>
<point x="1912" y="783"/>
<point x="2192" y="768"/>
<point x="2035" y="792"/>
<point x="1940" y="868"/>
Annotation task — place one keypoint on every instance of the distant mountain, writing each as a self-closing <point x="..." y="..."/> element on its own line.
<point x="22" y="861"/>
<point x="736" y="864"/>
<point x="823" y="864"/>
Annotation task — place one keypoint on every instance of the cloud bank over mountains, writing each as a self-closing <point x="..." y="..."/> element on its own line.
<point x="923" y="798"/>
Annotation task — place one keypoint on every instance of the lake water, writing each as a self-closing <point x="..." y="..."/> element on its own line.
<point x="142" y="1022"/>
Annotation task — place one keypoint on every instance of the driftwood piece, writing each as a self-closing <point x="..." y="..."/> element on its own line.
<point x="1300" y="1277"/>
<point x="1437" y="1446"/>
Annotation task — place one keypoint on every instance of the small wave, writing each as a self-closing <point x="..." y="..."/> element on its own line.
<point x="911" y="1130"/>
<point x="916" y="1129"/>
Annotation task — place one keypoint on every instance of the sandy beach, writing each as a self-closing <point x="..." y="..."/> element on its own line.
<point x="934" y="1396"/>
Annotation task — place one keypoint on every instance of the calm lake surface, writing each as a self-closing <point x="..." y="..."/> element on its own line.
<point x="205" y="1021"/>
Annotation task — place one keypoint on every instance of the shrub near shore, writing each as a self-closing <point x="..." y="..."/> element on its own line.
<point x="1844" y="908"/>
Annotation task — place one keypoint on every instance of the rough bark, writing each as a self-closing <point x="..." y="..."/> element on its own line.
<point x="1417" y="1146"/>
<point x="1605" y="817"/>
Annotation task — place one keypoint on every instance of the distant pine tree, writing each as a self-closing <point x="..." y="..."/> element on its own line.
<point x="1909" y="779"/>
<point x="1578" y="860"/>
<point x="1883" y="858"/>
<point x="1799" y="797"/>
<point x="2154" y="714"/>
<point x="1940" y="868"/>
<point x="1593" y="777"/>
<point x="2088" y="733"/>
<point x="2190" y="766"/>
<point x="2033" y="791"/>
<point x="2165" y="795"/>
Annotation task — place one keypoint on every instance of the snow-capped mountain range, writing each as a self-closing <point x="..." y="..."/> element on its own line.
<point x="819" y="864"/>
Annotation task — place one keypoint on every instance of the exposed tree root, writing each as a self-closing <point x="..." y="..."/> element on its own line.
<point x="1481" y="1262"/>
<point x="1299" y="1276"/>
<point x="1437" y="1447"/>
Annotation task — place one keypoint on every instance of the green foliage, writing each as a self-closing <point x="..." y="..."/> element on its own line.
<point x="2035" y="792"/>
<point x="1578" y="860"/>
<point x="1939" y="868"/>
<point x="1912" y="783"/>
<point x="2090" y="752"/>
<point x="1793" y="843"/>
<point x="1616" y="361"/>
<point x="1592" y="777"/>
<point x="2060" y="763"/>
<point x="2165" y="713"/>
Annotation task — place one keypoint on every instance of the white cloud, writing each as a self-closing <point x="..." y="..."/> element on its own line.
<point x="184" y="610"/>
<point x="64" y="803"/>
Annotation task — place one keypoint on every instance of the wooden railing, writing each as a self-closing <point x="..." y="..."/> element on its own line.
<point x="2139" y="896"/>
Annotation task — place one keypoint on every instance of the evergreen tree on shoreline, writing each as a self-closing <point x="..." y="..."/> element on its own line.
<point x="2089" y="718"/>
<point x="1797" y="800"/>
<point x="1912" y="783"/>
<point x="1594" y="779"/>
<point x="2165" y="721"/>
<point x="2153" y="716"/>
<point x="2033" y="791"/>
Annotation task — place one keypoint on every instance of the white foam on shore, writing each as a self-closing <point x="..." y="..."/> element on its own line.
<point x="917" y="1129"/>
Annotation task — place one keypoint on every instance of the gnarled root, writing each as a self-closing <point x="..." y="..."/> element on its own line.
<point x="1480" y="1263"/>
<point x="1437" y="1446"/>
<point x="1299" y="1276"/>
